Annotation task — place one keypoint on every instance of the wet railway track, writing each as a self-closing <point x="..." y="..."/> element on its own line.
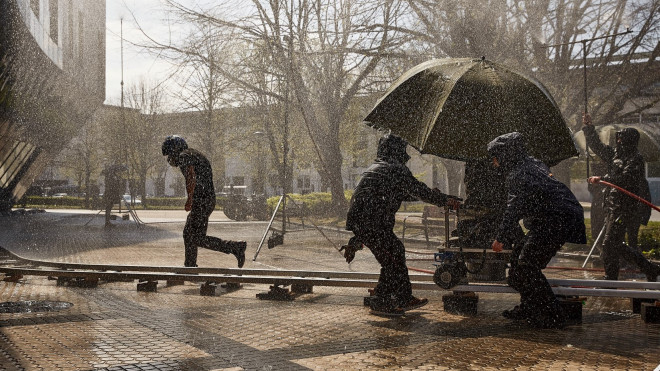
<point x="14" y="267"/>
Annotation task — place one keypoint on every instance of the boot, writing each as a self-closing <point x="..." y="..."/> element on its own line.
<point x="238" y="249"/>
<point x="415" y="303"/>
<point x="516" y="313"/>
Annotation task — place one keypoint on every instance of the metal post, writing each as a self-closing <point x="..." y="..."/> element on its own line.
<point x="586" y="104"/>
<point x="584" y="65"/>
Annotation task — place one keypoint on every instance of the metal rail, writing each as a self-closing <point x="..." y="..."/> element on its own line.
<point x="14" y="265"/>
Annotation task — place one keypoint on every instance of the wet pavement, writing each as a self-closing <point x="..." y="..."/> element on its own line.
<point x="116" y="327"/>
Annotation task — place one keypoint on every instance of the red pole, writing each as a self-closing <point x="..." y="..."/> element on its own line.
<point x="630" y="194"/>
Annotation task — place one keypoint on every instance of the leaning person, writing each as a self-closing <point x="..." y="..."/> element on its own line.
<point x="371" y="218"/>
<point x="551" y="214"/>
<point x="196" y="169"/>
<point x="625" y="168"/>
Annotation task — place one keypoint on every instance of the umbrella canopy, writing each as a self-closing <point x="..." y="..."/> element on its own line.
<point x="647" y="147"/>
<point x="452" y="108"/>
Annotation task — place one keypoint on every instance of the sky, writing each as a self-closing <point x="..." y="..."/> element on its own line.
<point x="138" y="64"/>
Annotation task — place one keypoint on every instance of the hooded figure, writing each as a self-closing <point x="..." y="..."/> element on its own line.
<point x="551" y="214"/>
<point x="371" y="218"/>
<point x="196" y="170"/>
<point x="626" y="169"/>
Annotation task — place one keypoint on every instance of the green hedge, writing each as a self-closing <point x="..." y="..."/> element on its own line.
<point x="59" y="202"/>
<point x="317" y="204"/>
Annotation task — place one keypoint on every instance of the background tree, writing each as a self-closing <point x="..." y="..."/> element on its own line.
<point x="142" y="137"/>
<point x="322" y="51"/>
<point x="81" y="160"/>
<point x="518" y="34"/>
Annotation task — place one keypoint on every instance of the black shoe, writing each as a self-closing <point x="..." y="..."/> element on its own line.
<point x="415" y="303"/>
<point x="387" y="311"/>
<point x="516" y="313"/>
<point x="238" y="248"/>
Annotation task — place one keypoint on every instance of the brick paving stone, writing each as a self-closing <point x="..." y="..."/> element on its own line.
<point x="114" y="327"/>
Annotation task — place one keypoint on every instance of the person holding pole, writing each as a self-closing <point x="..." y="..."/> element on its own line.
<point x="625" y="169"/>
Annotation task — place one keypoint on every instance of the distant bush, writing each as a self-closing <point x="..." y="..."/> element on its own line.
<point x="54" y="202"/>
<point x="650" y="245"/>
<point x="165" y="202"/>
<point x="318" y="204"/>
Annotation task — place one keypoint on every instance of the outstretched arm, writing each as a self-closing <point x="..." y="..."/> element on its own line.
<point x="601" y="150"/>
<point x="190" y="186"/>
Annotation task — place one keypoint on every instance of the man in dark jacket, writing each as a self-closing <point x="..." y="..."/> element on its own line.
<point x="114" y="187"/>
<point x="551" y="214"/>
<point x="625" y="168"/>
<point x="371" y="218"/>
<point x="200" y="203"/>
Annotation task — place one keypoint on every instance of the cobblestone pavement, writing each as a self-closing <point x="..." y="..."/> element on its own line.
<point x="115" y="327"/>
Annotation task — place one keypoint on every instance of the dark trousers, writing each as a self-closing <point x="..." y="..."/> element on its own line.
<point x="526" y="273"/>
<point x="615" y="248"/>
<point x="194" y="233"/>
<point x="393" y="288"/>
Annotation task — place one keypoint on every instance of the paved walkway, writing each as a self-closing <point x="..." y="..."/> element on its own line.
<point x="115" y="327"/>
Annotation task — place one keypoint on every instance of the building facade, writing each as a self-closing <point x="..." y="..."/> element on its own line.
<point x="52" y="79"/>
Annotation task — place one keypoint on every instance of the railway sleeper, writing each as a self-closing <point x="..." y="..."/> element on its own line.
<point x="231" y="286"/>
<point x="147" y="286"/>
<point x="277" y="293"/>
<point x="461" y="303"/>
<point x="651" y="312"/>
<point x="637" y="304"/>
<point x="86" y="282"/>
<point x="208" y="288"/>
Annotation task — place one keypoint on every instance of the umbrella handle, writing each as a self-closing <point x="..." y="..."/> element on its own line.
<point x="630" y="194"/>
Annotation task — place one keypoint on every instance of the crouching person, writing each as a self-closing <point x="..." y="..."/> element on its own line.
<point x="371" y="218"/>
<point x="551" y="214"/>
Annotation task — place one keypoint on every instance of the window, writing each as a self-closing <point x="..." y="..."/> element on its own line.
<point x="52" y="9"/>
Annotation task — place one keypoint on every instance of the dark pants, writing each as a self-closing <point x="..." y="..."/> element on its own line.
<point x="614" y="248"/>
<point x="393" y="288"/>
<point x="194" y="233"/>
<point x="526" y="273"/>
<point x="109" y="201"/>
<point x="632" y="232"/>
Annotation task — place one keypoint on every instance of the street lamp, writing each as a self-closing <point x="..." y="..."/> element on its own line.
<point x="259" y="183"/>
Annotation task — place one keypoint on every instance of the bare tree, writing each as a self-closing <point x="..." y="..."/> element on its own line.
<point x="142" y="135"/>
<point x="547" y="39"/>
<point x="521" y="34"/>
<point x="81" y="159"/>
<point x="319" y="57"/>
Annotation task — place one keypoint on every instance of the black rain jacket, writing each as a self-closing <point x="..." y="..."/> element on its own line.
<point x="204" y="191"/>
<point x="545" y="205"/>
<point x="626" y="169"/>
<point x="384" y="185"/>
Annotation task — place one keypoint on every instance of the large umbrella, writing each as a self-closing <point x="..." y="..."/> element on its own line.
<point x="647" y="147"/>
<point x="452" y="108"/>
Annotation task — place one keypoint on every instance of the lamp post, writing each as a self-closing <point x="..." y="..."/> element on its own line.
<point x="259" y="184"/>
<point x="584" y="68"/>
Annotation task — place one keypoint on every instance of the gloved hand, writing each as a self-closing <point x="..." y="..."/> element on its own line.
<point x="350" y="249"/>
<point x="454" y="202"/>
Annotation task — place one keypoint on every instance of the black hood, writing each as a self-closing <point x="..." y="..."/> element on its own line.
<point x="629" y="138"/>
<point x="509" y="149"/>
<point x="392" y="149"/>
